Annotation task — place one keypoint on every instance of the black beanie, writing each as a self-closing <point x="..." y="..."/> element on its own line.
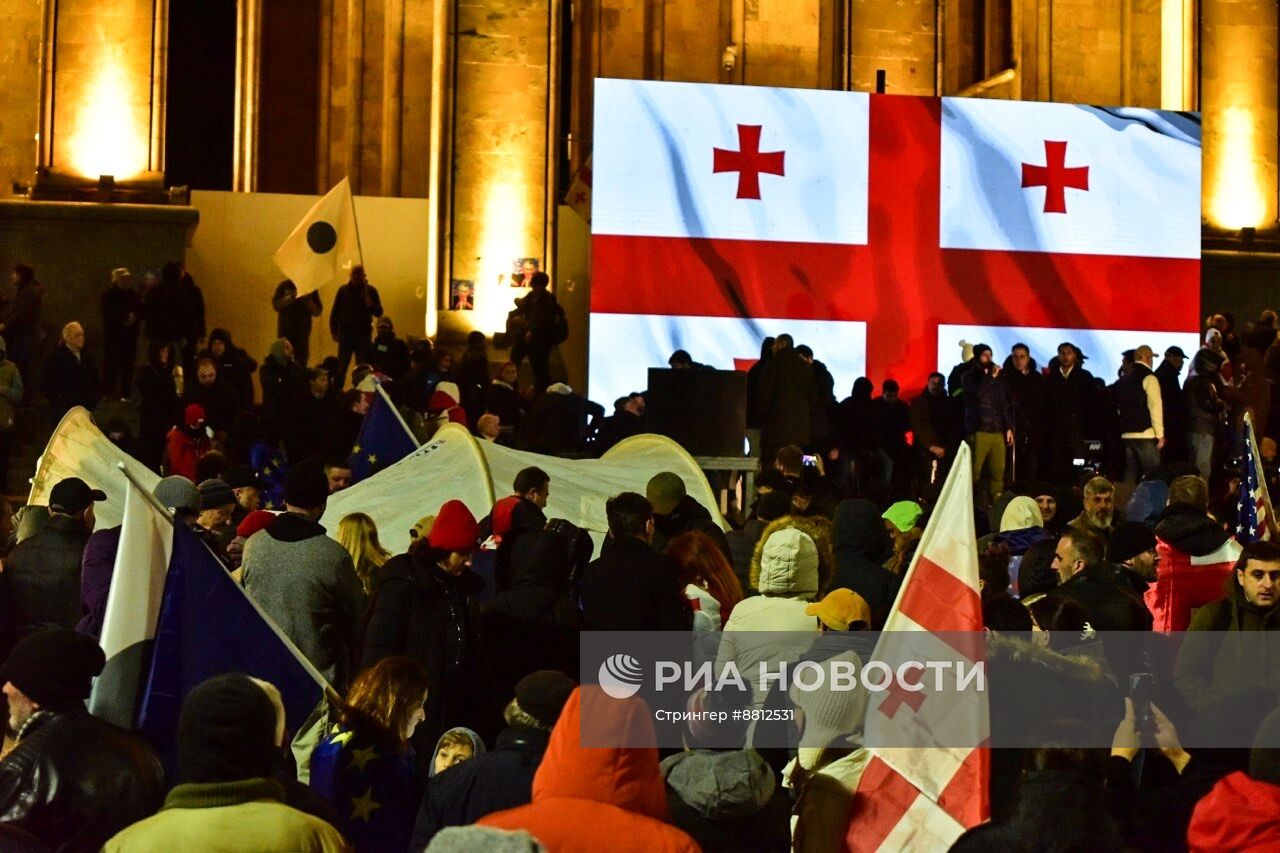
<point x="54" y="667"/>
<point x="542" y="695"/>
<point x="227" y="731"/>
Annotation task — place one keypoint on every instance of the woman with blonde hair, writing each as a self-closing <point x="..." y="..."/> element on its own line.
<point x="366" y="767"/>
<point x="359" y="536"/>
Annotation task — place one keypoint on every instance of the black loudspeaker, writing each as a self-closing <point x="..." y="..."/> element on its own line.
<point x="704" y="411"/>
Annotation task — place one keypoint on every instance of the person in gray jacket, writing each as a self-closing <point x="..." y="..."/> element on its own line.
<point x="306" y="581"/>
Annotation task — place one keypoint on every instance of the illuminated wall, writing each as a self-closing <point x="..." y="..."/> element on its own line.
<point x="99" y="108"/>
<point x="1239" y="97"/>
<point x="502" y="73"/>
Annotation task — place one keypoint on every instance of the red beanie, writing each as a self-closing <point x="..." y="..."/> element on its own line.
<point x="455" y="528"/>
<point x="193" y="415"/>
<point x="257" y="520"/>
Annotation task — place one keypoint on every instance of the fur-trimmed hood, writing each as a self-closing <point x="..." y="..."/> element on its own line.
<point x="1077" y="666"/>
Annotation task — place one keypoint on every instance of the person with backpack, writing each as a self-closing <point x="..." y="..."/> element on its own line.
<point x="538" y="324"/>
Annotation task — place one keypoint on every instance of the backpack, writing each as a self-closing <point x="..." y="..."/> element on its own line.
<point x="559" y="325"/>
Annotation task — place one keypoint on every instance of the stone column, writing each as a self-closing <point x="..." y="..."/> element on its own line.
<point x="1240" y="51"/>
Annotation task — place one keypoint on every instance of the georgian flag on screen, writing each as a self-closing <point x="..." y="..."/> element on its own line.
<point x="880" y="230"/>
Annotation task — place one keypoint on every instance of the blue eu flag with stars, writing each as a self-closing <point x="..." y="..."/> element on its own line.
<point x="384" y="439"/>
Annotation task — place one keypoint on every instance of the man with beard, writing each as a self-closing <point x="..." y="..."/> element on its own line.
<point x="988" y="421"/>
<point x="1026" y="389"/>
<point x="1099" y="508"/>
<point x="1215" y="662"/>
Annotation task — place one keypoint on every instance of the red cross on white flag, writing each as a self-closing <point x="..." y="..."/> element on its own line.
<point x="898" y="218"/>
<point x="922" y="797"/>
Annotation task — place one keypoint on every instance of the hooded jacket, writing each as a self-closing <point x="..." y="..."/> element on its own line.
<point x="1216" y="660"/>
<point x="584" y="799"/>
<point x="1239" y="814"/>
<point x="727" y="800"/>
<point x="1195" y="557"/>
<point x="1205" y="393"/>
<point x="861" y="545"/>
<point x="41" y="578"/>
<point x="306" y="582"/>
<point x="499" y="779"/>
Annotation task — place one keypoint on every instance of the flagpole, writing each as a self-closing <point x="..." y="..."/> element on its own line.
<point x="377" y="386"/>
<point x="145" y="492"/>
<point x="354" y="220"/>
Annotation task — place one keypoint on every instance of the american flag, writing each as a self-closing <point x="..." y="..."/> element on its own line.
<point x="1254" y="516"/>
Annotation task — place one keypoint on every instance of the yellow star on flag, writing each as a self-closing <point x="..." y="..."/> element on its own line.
<point x="362" y="807"/>
<point x="373" y="460"/>
<point x="361" y="757"/>
<point x="356" y="450"/>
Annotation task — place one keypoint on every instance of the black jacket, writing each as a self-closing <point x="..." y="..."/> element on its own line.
<point x="785" y="399"/>
<point x="117" y="304"/>
<point x="861" y="545"/>
<point x="933" y="421"/>
<point x="1067" y="402"/>
<point x="631" y="588"/>
<point x="69" y="381"/>
<point x="280" y="384"/>
<point x="1110" y="605"/>
<point x="293" y="320"/>
<point x="1027" y="392"/>
<point x="1171" y="401"/>
<point x="351" y="317"/>
<point x="536" y="622"/>
<point x="500" y="779"/>
<point x="42" y="577"/>
<point x="420" y="611"/>
<point x="161" y="406"/>
<point x="559" y="423"/>
<point x="1190" y="530"/>
<point x="73" y="780"/>
<point x="688" y="515"/>
<point x="389" y="355"/>
<point x="221" y="404"/>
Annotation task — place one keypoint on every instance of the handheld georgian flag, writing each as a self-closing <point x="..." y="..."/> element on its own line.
<point x="923" y="796"/>
<point x="579" y="195"/>
<point x="1255" y="518"/>
<point x="324" y="243"/>
<point x="384" y="438"/>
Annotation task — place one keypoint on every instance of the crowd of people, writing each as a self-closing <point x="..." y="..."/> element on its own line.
<point x="1102" y="511"/>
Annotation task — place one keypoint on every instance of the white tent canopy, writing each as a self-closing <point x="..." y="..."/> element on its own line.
<point x="454" y="465"/>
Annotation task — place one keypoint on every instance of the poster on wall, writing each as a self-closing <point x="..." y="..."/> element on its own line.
<point x="522" y="272"/>
<point x="462" y="294"/>
<point x="882" y="230"/>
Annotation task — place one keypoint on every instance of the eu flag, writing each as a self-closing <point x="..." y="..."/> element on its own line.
<point x="208" y="626"/>
<point x="384" y="439"/>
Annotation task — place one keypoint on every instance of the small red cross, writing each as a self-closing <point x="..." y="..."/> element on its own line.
<point x="900" y="695"/>
<point x="580" y="197"/>
<point x="749" y="161"/>
<point x="1055" y="177"/>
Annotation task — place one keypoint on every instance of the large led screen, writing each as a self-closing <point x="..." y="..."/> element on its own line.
<point x="883" y="230"/>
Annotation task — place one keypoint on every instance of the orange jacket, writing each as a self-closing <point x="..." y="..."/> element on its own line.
<point x="603" y="798"/>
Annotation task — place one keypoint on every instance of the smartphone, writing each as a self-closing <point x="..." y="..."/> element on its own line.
<point x="811" y="461"/>
<point x="1141" y="685"/>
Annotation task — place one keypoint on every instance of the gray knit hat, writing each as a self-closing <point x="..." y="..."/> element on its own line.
<point x="177" y="493"/>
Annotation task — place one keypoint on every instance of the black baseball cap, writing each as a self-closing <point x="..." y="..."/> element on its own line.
<point x="242" y="477"/>
<point x="1176" y="352"/>
<point x="73" y="495"/>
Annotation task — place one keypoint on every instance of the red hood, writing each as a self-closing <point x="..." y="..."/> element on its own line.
<point x="625" y="777"/>
<point x="1238" y="814"/>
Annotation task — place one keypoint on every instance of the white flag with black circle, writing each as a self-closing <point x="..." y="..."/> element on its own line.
<point x="324" y="244"/>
